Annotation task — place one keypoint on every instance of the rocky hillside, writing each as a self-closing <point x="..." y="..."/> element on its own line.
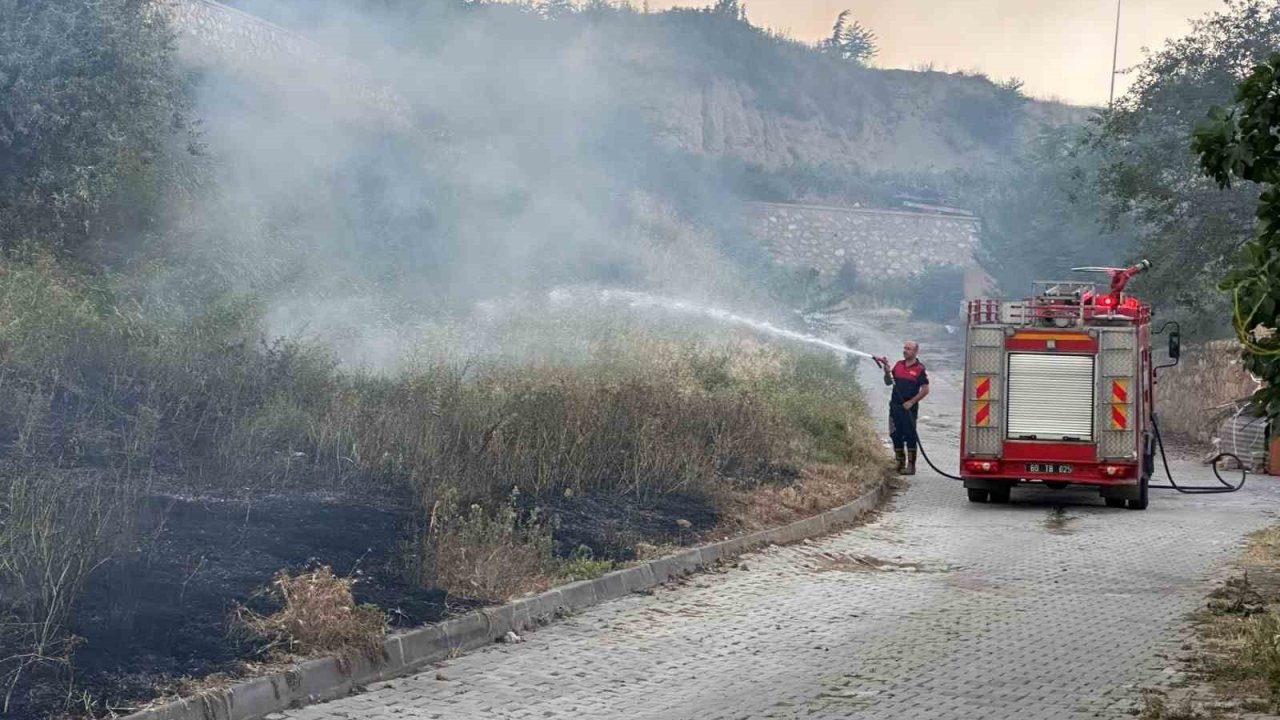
<point x="901" y="122"/>
<point x="721" y="87"/>
<point x="711" y="83"/>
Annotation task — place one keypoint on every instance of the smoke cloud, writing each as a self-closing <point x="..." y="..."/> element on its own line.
<point x="523" y="167"/>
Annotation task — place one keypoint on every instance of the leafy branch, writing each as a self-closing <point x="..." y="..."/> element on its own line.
<point x="1243" y="143"/>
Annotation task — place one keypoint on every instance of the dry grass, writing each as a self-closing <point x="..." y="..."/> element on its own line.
<point x="1238" y="652"/>
<point x="317" y="614"/>
<point x="1158" y="706"/>
<point x="1264" y="548"/>
<point x="99" y="403"/>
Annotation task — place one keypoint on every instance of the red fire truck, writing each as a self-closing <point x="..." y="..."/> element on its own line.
<point x="1058" y="390"/>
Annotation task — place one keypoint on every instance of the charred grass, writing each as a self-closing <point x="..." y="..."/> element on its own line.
<point x="492" y="479"/>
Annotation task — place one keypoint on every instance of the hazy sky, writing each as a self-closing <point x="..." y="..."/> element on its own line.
<point x="1061" y="48"/>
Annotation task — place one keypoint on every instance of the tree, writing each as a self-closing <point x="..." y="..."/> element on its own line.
<point x="89" y="94"/>
<point x="850" y="41"/>
<point x="734" y="9"/>
<point x="1184" y="223"/>
<point x="1043" y="218"/>
<point x="552" y="9"/>
<point x="1243" y="143"/>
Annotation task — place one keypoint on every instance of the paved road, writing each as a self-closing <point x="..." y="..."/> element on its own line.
<point x="1052" y="607"/>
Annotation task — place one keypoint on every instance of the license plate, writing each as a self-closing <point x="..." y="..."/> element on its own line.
<point x="1048" y="469"/>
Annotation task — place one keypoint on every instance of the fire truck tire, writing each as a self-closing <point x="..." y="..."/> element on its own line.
<point x="1001" y="495"/>
<point x="978" y="495"/>
<point x="1115" y="502"/>
<point x="1140" y="502"/>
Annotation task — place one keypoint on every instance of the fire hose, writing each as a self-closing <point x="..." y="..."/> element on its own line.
<point x="1225" y="486"/>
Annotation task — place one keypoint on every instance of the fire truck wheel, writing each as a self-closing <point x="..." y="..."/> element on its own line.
<point x="1115" y="502"/>
<point x="1002" y="495"/>
<point x="978" y="495"/>
<point x="1140" y="502"/>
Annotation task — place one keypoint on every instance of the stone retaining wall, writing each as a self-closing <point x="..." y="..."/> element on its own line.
<point x="1192" y="396"/>
<point x="877" y="243"/>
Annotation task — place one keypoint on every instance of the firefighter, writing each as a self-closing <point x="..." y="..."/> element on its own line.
<point x="910" y="385"/>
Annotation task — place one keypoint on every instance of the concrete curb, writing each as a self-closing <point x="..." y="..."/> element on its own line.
<point x="325" y="679"/>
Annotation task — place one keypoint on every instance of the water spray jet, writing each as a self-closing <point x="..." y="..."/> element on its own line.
<point x="637" y="299"/>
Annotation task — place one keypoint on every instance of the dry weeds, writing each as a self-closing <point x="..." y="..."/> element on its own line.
<point x="99" y="392"/>
<point x="1237" y="655"/>
<point x="318" y="614"/>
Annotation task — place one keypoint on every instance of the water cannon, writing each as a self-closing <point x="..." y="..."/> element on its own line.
<point x="1120" y="278"/>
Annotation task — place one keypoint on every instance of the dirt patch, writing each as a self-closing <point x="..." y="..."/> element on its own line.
<point x="856" y="562"/>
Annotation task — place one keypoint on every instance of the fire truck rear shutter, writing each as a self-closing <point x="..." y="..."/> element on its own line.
<point x="1051" y="396"/>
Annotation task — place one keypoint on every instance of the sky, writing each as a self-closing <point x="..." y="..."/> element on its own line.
<point x="1060" y="48"/>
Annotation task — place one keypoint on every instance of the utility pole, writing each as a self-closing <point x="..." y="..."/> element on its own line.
<point x="1115" y="54"/>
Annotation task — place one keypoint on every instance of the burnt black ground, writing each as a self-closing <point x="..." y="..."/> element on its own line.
<point x="608" y="526"/>
<point x="158" y="613"/>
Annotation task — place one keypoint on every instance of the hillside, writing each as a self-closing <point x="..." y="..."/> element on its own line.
<point x="892" y="121"/>
<point x="711" y="84"/>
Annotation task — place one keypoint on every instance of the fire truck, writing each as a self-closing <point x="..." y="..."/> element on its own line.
<point x="1059" y="391"/>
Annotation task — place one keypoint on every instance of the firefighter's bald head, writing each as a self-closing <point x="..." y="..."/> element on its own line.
<point x="910" y="349"/>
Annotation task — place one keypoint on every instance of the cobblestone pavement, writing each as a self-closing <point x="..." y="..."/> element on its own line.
<point x="1051" y="607"/>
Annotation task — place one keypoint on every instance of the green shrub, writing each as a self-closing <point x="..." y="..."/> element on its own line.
<point x="937" y="293"/>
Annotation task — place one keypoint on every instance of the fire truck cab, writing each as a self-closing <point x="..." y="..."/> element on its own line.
<point x="1058" y="391"/>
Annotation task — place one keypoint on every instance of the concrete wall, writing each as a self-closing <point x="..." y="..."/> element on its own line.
<point x="883" y="244"/>
<point x="1189" y="397"/>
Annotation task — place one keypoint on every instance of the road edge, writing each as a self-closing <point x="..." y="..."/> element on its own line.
<point x="409" y="652"/>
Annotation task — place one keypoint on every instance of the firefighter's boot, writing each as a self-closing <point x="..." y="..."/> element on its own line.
<point x="911" y="462"/>
<point x="902" y="459"/>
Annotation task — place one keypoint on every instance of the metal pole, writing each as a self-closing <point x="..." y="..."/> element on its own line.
<point x="1115" y="54"/>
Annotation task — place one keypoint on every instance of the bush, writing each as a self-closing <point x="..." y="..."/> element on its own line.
<point x="937" y="293"/>
<point x="91" y="93"/>
<point x="54" y="530"/>
<point x="483" y="555"/>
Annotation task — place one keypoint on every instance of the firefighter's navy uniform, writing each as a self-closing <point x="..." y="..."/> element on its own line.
<point x="907" y="381"/>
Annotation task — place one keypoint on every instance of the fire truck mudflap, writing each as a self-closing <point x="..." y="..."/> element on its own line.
<point x="1058" y="391"/>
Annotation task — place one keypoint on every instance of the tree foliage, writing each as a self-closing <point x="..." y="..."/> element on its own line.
<point x="89" y="92"/>
<point x="1184" y="223"/>
<point x="850" y="40"/>
<point x="1044" y="219"/>
<point x="734" y="9"/>
<point x="553" y="9"/>
<point x="937" y="293"/>
<point x="1243" y="143"/>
